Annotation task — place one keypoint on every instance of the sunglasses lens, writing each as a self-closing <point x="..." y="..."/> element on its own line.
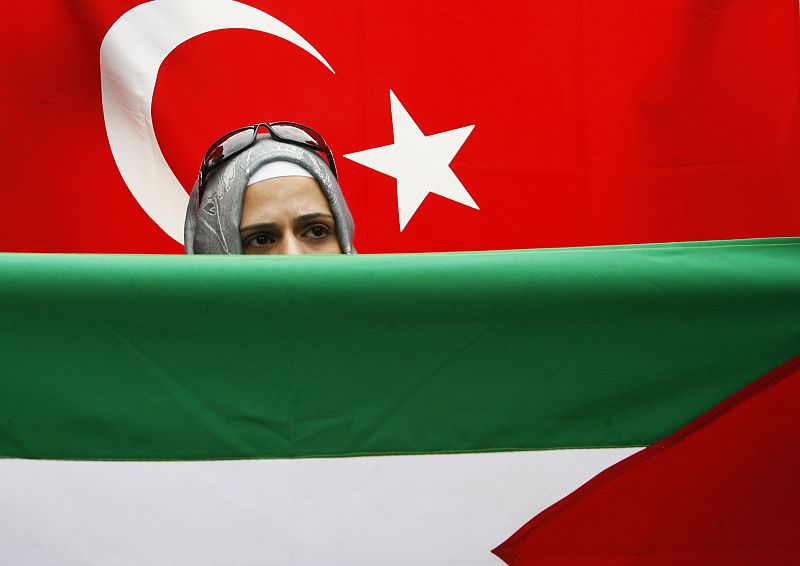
<point x="298" y="134"/>
<point x="243" y="138"/>
<point x="229" y="145"/>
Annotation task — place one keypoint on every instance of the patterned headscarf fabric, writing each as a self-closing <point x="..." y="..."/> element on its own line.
<point x="213" y="227"/>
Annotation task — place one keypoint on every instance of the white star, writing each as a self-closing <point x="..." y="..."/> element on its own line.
<point x="420" y="163"/>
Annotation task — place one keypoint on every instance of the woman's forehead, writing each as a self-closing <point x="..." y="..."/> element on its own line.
<point x="282" y="199"/>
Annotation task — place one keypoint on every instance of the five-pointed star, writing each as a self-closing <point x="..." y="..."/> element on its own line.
<point x="420" y="163"/>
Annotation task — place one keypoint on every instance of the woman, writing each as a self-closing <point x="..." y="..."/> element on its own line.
<point x="268" y="193"/>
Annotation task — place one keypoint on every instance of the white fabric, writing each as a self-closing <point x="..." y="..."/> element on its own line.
<point x="275" y="169"/>
<point x="381" y="510"/>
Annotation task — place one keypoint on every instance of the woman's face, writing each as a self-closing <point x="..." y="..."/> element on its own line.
<point x="287" y="215"/>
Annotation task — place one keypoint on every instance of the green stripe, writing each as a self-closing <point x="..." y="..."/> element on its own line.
<point x="168" y="357"/>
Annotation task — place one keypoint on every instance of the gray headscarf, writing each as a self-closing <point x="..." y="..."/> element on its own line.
<point x="213" y="227"/>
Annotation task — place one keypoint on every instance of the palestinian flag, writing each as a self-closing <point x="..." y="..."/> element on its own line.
<point x="403" y="409"/>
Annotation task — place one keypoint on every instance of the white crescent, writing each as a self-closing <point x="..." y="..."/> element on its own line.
<point x="131" y="54"/>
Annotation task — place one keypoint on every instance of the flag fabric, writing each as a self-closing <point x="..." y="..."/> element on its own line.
<point x="455" y="127"/>
<point x="405" y="409"/>
<point x="722" y="490"/>
<point x="376" y="409"/>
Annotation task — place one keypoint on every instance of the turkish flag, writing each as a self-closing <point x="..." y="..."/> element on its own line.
<point x="456" y="126"/>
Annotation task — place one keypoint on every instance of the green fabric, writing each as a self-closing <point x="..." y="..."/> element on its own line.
<point x="174" y="357"/>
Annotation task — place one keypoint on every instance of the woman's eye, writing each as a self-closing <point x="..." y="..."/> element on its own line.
<point x="259" y="240"/>
<point x="318" y="231"/>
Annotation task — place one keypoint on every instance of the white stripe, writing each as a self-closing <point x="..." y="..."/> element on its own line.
<point x="432" y="509"/>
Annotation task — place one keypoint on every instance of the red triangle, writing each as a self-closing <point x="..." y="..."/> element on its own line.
<point x="725" y="489"/>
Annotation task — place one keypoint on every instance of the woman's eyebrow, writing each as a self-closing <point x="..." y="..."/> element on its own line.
<point x="312" y="216"/>
<point x="262" y="226"/>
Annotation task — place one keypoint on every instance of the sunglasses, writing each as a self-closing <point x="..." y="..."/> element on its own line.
<point x="233" y="142"/>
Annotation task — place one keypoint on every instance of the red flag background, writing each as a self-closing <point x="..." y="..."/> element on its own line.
<point x="594" y="122"/>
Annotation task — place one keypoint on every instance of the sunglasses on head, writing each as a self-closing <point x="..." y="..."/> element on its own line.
<point x="233" y="142"/>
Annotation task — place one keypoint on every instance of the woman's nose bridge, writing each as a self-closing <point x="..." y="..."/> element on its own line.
<point x="291" y="245"/>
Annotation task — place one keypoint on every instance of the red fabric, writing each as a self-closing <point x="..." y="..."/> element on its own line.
<point x="595" y="122"/>
<point x="722" y="490"/>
